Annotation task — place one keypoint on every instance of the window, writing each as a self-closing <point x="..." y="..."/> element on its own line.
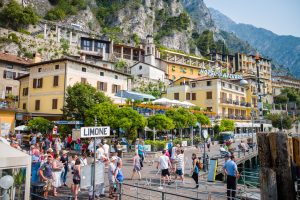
<point x="236" y="88"/>
<point x="25" y="91"/>
<point x="99" y="46"/>
<point x="209" y="109"/>
<point x="37" y="104"/>
<point x="8" y="90"/>
<point x="39" y="69"/>
<point x="56" y="67"/>
<point x="223" y="84"/>
<point x="83" y="80"/>
<point x="230" y="86"/>
<point x="116" y="77"/>
<point x="101" y="73"/>
<point x="38" y="83"/>
<point x="115" y="88"/>
<point x="140" y="67"/>
<point x="54" y="103"/>
<point x="9" y="67"/>
<point x="102" y="86"/>
<point x="176" y="96"/>
<point x="193" y="85"/>
<point x="191" y="71"/>
<point x="24" y="106"/>
<point x="188" y="96"/>
<point x="105" y="65"/>
<point x="173" y="68"/>
<point x="193" y="96"/>
<point x="86" y="44"/>
<point x="9" y="74"/>
<point x="83" y="69"/>
<point x="208" y="83"/>
<point x="242" y="89"/>
<point x="208" y="95"/>
<point x="55" y="80"/>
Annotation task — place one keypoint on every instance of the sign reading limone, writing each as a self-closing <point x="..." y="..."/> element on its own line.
<point x="220" y="74"/>
<point x="90" y="132"/>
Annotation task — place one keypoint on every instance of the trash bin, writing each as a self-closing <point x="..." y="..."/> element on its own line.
<point x="37" y="192"/>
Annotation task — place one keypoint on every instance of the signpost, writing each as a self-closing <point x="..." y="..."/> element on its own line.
<point x="205" y="135"/>
<point x="93" y="132"/>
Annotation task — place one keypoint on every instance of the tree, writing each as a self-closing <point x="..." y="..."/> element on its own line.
<point x="81" y="97"/>
<point x="182" y="118"/>
<point x="105" y="113"/>
<point x="202" y="119"/>
<point x="226" y="125"/>
<point x="130" y="120"/>
<point x="281" y="99"/>
<point x="16" y="17"/>
<point x="280" y="121"/>
<point x="40" y="124"/>
<point x="121" y="64"/>
<point x="160" y="122"/>
<point x="292" y="94"/>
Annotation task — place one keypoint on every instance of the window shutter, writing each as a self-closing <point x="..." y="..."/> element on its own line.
<point x="41" y="82"/>
<point x="113" y="88"/>
<point x="105" y="87"/>
<point x="98" y="85"/>
<point x="4" y="74"/>
<point x="118" y="88"/>
<point x="14" y="75"/>
<point x="34" y="83"/>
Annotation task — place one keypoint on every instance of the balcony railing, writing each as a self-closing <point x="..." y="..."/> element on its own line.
<point x="235" y="102"/>
<point x="234" y="117"/>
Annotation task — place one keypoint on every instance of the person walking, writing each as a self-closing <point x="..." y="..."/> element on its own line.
<point x="164" y="163"/>
<point x="57" y="167"/>
<point x="119" y="178"/>
<point x="46" y="175"/>
<point x="136" y="166"/>
<point x="35" y="165"/>
<point x="65" y="161"/>
<point x="232" y="174"/>
<point x="180" y="164"/>
<point x="76" y="179"/>
<point x="141" y="152"/>
<point x="57" y="145"/>
<point x="196" y="169"/>
<point x="69" y="142"/>
<point x="110" y="173"/>
<point x="208" y="143"/>
<point x="106" y="148"/>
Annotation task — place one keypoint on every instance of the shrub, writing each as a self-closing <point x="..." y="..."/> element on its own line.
<point x="156" y="145"/>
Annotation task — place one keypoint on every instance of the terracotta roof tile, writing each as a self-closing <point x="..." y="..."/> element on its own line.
<point x="14" y="59"/>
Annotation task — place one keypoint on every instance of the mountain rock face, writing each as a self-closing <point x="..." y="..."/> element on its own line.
<point x="283" y="50"/>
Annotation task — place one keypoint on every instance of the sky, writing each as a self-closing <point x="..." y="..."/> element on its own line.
<point x="279" y="16"/>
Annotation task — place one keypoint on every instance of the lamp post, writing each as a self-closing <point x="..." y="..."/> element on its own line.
<point x="252" y="116"/>
<point x="259" y="92"/>
<point x="205" y="135"/>
<point x="114" y="131"/>
<point x="94" y="170"/>
<point x="132" y="101"/>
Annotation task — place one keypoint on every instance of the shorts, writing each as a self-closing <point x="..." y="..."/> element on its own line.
<point x="179" y="172"/>
<point x="48" y="185"/>
<point x="165" y="172"/>
<point x="76" y="182"/>
<point x="136" y="169"/>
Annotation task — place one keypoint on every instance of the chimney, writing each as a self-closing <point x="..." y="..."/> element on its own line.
<point x="37" y="57"/>
<point x="82" y="57"/>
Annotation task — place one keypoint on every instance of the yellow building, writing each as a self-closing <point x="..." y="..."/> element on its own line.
<point x="246" y="65"/>
<point x="225" y="98"/>
<point x="179" y="65"/>
<point x="42" y="91"/>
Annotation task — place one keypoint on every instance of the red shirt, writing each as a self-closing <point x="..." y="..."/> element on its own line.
<point x="69" y="139"/>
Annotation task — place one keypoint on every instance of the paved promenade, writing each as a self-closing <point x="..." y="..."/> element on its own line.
<point x="151" y="179"/>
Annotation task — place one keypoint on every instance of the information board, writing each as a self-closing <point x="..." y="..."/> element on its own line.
<point x="91" y="132"/>
<point x="212" y="170"/>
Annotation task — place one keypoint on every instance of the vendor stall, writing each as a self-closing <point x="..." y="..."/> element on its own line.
<point x="15" y="168"/>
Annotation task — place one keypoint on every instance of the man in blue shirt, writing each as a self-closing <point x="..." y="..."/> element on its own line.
<point x="232" y="174"/>
<point x="141" y="152"/>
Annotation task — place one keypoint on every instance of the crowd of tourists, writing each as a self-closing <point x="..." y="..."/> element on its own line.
<point x="53" y="159"/>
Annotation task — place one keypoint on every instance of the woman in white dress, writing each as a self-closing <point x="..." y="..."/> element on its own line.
<point x="58" y="145"/>
<point x="57" y="168"/>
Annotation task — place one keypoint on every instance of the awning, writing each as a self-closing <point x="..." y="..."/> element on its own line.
<point x="21" y="128"/>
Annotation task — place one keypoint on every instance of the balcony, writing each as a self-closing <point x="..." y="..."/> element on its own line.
<point x="235" y="102"/>
<point x="233" y="117"/>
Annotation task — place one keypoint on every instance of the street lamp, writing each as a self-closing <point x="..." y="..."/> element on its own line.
<point x="252" y="113"/>
<point x="259" y="92"/>
<point x="132" y="101"/>
<point x="114" y="131"/>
